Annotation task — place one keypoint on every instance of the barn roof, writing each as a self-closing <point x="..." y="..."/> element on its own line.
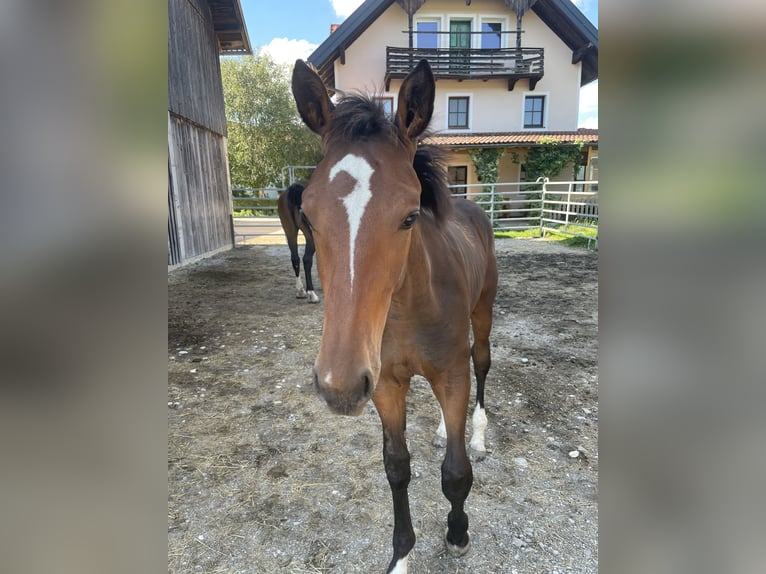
<point x="229" y="26"/>
<point x="561" y="16"/>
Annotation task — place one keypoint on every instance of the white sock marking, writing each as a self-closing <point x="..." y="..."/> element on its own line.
<point x="479" y="426"/>
<point x="313" y="297"/>
<point x="356" y="201"/>
<point x="401" y="566"/>
<point x="299" y="288"/>
<point x="441" y="432"/>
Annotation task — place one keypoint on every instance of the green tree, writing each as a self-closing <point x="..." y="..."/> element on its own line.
<point x="265" y="131"/>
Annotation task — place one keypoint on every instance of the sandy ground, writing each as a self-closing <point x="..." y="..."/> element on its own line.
<point x="262" y="478"/>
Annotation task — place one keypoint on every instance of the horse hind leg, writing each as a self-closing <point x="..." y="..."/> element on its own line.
<point x="308" y="259"/>
<point x="481" y="320"/>
<point x="292" y="243"/>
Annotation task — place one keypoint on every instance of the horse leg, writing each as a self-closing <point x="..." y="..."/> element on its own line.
<point x="452" y="390"/>
<point x="389" y="401"/>
<point x="481" y="321"/>
<point x="292" y="243"/>
<point x="308" y="260"/>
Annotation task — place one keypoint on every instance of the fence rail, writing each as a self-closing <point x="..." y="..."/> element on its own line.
<point x="564" y="207"/>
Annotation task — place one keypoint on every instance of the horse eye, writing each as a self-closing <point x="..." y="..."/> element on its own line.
<point x="410" y="220"/>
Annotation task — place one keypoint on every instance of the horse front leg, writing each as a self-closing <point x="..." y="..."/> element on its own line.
<point x="452" y="391"/>
<point x="389" y="399"/>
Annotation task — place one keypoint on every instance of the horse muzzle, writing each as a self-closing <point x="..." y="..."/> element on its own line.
<point x="346" y="396"/>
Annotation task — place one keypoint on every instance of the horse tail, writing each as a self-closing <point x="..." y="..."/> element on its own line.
<point x="295" y="193"/>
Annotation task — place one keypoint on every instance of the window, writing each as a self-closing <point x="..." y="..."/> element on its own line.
<point x="457" y="113"/>
<point x="388" y="105"/>
<point x="490" y="37"/>
<point x="534" y="112"/>
<point x="427" y="36"/>
<point x="457" y="175"/>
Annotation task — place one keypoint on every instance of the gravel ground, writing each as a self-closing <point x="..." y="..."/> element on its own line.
<point x="262" y="478"/>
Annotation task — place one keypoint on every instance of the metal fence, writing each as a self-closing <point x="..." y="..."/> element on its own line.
<point x="565" y="207"/>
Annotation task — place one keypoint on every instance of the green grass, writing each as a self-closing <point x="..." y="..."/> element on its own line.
<point x="564" y="239"/>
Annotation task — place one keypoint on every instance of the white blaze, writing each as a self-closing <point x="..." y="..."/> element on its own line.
<point x="356" y="201"/>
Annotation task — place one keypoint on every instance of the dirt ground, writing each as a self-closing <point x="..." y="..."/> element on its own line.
<point x="262" y="478"/>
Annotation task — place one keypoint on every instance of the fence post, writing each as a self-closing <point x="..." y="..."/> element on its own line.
<point x="492" y="204"/>
<point x="569" y="206"/>
<point x="542" y="202"/>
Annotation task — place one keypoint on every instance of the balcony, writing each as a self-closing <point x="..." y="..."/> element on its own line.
<point x="510" y="64"/>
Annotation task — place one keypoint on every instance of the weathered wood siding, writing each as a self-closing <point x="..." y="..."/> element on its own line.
<point x="200" y="189"/>
<point x="199" y="204"/>
<point x="194" y="71"/>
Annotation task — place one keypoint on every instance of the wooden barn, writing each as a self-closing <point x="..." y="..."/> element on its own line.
<point x="199" y="205"/>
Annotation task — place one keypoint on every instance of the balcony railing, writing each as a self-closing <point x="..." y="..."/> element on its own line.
<point x="511" y="64"/>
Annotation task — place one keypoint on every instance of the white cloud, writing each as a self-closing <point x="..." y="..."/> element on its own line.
<point x="343" y="8"/>
<point x="285" y="51"/>
<point x="588" y="112"/>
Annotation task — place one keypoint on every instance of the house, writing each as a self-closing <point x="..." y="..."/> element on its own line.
<point x="199" y="204"/>
<point x="498" y="84"/>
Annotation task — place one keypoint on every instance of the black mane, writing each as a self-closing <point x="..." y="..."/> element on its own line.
<point x="435" y="196"/>
<point x="359" y="117"/>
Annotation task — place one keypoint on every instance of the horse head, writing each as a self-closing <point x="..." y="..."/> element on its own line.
<point x="362" y="203"/>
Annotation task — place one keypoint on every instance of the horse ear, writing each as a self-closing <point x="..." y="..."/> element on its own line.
<point x="416" y="101"/>
<point x="311" y="97"/>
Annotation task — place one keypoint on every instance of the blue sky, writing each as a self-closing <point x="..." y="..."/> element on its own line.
<point x="291" y="29"/>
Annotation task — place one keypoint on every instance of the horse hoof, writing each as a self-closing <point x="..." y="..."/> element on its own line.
<point x="455" y="550"/>
<point x="301" y="295"/>
<point x="313" y="298"/>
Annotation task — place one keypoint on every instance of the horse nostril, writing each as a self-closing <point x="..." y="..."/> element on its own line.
<point x="367" y="378"/>
<point x="315" y="379"/>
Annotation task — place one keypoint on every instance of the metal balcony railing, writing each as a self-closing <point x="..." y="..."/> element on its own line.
<point x="511" y="64"/>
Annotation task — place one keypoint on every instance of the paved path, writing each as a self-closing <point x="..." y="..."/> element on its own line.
<point x="260" y="231"/>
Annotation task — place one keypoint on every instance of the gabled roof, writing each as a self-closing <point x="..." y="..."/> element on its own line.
<point x="511" y="139"/>
<point x="561" y="16"/>
<point x="229" y="26"/>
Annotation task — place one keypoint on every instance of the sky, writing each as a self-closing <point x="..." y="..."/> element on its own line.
<point x="292" y="29"/>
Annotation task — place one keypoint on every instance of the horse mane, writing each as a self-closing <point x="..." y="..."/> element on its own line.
<point x="360" y="117"/>
<point x="435" y="196"/>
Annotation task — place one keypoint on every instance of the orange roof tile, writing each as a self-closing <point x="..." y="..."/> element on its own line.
<point x="589" y="136"/>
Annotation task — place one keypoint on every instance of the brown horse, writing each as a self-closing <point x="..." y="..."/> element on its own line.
<point x="289" y="209"/>
<point x="406" y="271"/>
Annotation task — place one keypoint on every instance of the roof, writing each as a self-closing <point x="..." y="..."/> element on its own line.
<point x="561" y="16"/>
<point x="511" y="139"/>
<point x="229" y="26"/>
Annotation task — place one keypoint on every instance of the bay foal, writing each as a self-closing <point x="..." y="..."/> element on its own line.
<point x="406" y="270"/>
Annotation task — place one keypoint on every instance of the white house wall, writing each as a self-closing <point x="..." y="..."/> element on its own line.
<point x="494" y="108"/>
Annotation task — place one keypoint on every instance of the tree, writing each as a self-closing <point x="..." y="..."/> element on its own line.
<point x="265" y="132"/>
